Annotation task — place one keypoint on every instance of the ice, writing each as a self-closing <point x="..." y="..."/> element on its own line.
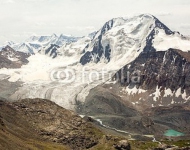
<point x="168" y="92"/>
<point x="134" y="90"/>
<point x="178" y="92"/>
<point x="163" y="42"/>
<point x="156" y="94"/>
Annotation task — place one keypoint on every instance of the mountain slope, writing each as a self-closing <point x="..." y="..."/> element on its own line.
<point x="9" y="58"/>
<point x="41" y="124"/>
<point x="163" y="77"/>
<point x="118" y="112"/>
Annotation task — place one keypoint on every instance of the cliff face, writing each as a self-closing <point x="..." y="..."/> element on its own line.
<point x="161" y="78"/>
<point x="166" y="69"/>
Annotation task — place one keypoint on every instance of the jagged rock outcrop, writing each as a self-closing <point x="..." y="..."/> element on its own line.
<point x="51" y="50"/>
<point x="123" y="145"/>
<point x="9" y="58"/>
<point x="166" y="69"/>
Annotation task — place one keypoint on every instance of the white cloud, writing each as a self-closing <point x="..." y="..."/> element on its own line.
<point x="163" y="14"/>
<point x="185" y="26"/>
<point x="81" y="28"/>
<point x="35" y="0"/>
<point x="7" y="1"/>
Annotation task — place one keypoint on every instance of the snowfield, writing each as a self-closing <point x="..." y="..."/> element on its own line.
<point x="164" y="42"/>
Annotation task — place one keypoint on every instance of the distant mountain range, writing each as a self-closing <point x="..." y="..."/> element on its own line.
<point x="36" y="43"/>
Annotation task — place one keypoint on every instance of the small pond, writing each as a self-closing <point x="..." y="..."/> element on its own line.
<point x="173" y="133"/>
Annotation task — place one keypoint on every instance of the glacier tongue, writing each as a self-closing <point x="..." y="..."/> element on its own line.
<point x="38" y="81"/>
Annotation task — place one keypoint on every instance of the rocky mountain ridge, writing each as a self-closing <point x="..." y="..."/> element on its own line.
<point x="9" y="58"/>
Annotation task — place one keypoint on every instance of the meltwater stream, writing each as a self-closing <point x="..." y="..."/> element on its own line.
<point x="120" y="131"/>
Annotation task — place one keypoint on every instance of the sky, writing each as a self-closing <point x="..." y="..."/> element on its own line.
<point x="20" y="19"/>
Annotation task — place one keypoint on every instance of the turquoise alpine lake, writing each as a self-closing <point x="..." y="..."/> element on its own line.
<point x="173" y="133"/>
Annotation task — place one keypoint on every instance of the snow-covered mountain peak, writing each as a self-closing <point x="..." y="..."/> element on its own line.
<point x="110" y="24"/>
<point x="13" y="56"/>
<point x="65" y="35"/>
<point x="54" y="35"/>
<point x="92" y="35"/>
<point x="48" y="38"/>
<point x="67" y="38"/>
<point x="115" y="22"/>
<point x="127" y="23"/>
<point x="33" y="38"/>
<point x="118" y="38"/>
<point x="51" y="50"/>
<point x="9" y="43"/>
<point x="132" y="22"/>
<point x="38" y="38"/>
<point x="122" y="40"/>
<point x="8" y="49"/>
